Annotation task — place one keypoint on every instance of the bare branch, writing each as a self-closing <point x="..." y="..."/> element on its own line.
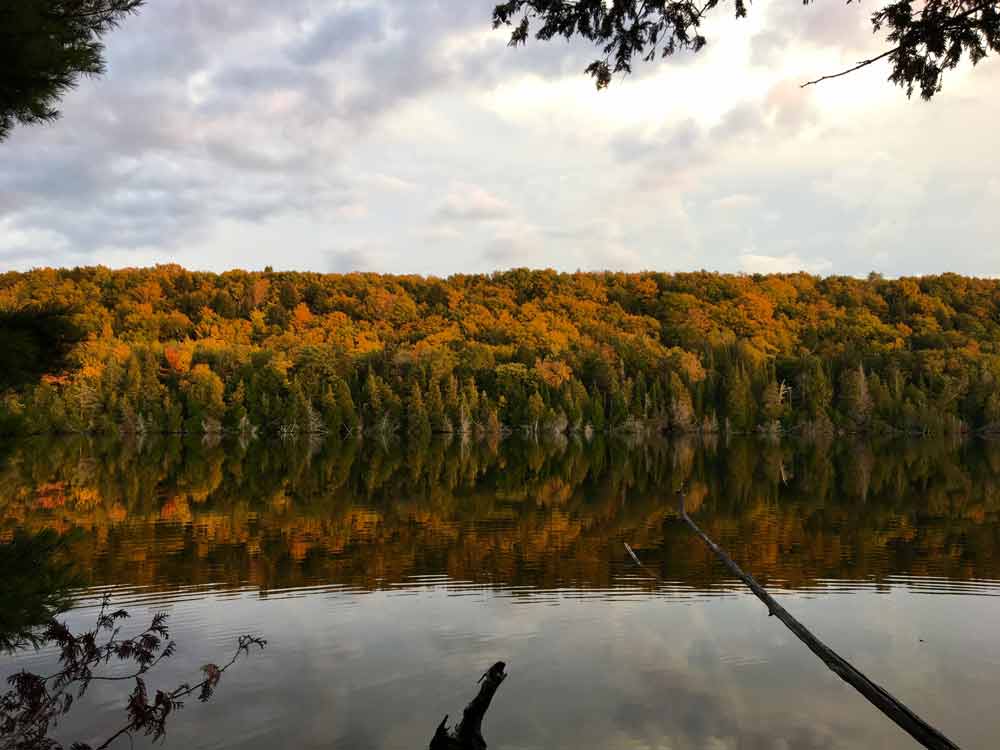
<point x="859" y="66"/>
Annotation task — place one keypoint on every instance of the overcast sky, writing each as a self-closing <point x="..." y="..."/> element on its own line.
<point x="404" y="136"/>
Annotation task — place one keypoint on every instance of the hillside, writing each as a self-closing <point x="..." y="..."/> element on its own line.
<point x="167" y="350"/>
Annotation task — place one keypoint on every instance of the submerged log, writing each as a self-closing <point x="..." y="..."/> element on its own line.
<point x="906" y="719"/>
<point x="468" y="735"/>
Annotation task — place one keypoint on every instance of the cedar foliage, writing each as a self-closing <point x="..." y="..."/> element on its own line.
<point x="925" y="39"/>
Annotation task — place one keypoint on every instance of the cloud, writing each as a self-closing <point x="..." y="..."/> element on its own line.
<point x="356" y="259"/>
<point x="229" y="132"/>
<point x="735" y="202"/>
<point x="338" y="33"/>
<point x="845" y="30"/>
<point x="29" y="247"/>
<point x="472" y="203"/>
<point x="755" y="263"/>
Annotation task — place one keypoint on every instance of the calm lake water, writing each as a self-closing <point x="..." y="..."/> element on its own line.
<point x="387" y="579"/>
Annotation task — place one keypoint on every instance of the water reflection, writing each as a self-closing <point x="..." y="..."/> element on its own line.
<point x="37" y="580"/>
<point x="386" y="577"/>
<point x="524" y="516"/>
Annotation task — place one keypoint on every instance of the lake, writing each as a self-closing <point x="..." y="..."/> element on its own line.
<point x="387" y="578"/>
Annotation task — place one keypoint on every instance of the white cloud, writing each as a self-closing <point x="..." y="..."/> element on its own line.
<point x="757" y="263"/>
<point x="472" y="203"/>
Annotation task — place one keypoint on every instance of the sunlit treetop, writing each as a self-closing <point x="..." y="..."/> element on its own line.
<point x="923" y="38"/>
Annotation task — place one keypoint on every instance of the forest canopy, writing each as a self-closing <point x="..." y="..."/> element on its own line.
<point x="168" y="350"/>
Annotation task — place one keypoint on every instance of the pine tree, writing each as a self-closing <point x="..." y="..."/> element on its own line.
<point x="418" y="424"/>
<point x="594" y="413"/>
<point x="373" y="398"/>
<point x="236" y="411"/>
<point x="572" y="404"/>
<point x="330" y="411"/>
<point x="855" y="400"/>
<point x="814" y="389"/>
<point x="739" y="400"/>
<point x="435" y="409"/>
<point x="45" y="47"/>
<point x="535" y="411"/>
<point x="345" y="405"/>
<point x="681" y="409"/>
<point x="639" y="397"/>
<point x="772" y="406"/>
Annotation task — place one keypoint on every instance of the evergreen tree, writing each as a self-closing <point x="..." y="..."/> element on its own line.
<point x="681" y="408"/>
<point x="435" y="409"/>
<point x="236" y="411"/>
<point x="345" y="406"/>
<point x="855" y="400"/>
<point x="45" y="47"/>
<point x="738" y="400"/>
<point x="815" y="390"/>
<point x="535" y="411"/>
<point x="594" y="414"/>
<point x="418" y="424"/>
<point x="572" y="402"/>
<point x="330" y="411"/>
<point x="296" y="415"/>
<point x="203" y="399"/>
<point x="372" y="398"/>
<point x="772" y="402"/>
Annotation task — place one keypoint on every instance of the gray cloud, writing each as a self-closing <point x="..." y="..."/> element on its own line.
<point x="471" y="203"/>
<point x="350" y="260"/>
<point x="338" y="33"/>
<point x="845" y="28"/>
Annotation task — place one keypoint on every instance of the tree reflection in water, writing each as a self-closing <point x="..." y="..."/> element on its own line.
<point x="276" y="515"/>
<point x="169" y="513"/>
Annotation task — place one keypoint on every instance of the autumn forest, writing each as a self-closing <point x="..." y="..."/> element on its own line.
<point x="165" y="350"/>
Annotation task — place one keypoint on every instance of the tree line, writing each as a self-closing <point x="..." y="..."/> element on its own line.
<point x="168" y="350"/>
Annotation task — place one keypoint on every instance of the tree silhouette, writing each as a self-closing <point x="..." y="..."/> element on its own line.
<point x="33" y="705"/>
<point x="45" y="46"/>
<point x="925" y="38"/>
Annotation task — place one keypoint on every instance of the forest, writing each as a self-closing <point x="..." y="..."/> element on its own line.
<point x="166" y="350"/>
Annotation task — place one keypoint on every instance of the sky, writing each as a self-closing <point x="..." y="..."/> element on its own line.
<point x="405" y="136"/>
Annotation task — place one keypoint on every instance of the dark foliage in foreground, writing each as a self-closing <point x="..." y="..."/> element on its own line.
<point x="45" y="48"/>
<point x="33" y="705"/>
<point x="925" y="39"/>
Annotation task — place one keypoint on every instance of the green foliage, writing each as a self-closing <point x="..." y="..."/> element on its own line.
<point x="45" y="47"/>
<point x="739" y="408"/>
<point x="418" y="424"/>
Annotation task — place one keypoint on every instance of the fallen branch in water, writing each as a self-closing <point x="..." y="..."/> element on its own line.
<point x="468" y="734"/>
<point x="916" y="727"/>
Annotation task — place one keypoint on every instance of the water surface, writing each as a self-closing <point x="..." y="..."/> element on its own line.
<point x="387" y="578"/>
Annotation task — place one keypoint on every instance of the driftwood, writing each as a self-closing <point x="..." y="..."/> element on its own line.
<point x="468" y="735"/>
<point x="917" y="728"/>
